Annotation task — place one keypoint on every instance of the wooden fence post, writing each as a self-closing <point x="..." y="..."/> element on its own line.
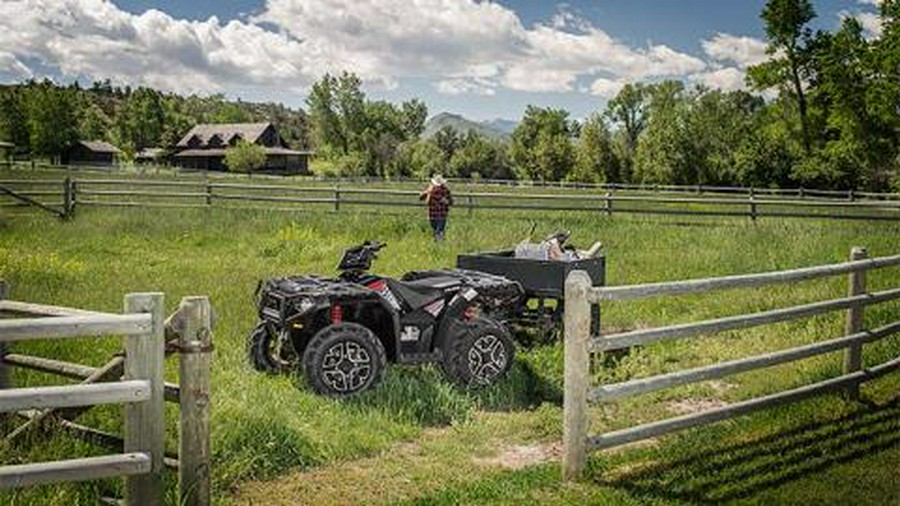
<point x="195" y="342"/>
<point x="337" y="198"/>
<point x="609" y="204"/>
<point x="753" y="213"/>
<point x="575" y="386"/>
<point x="854" y="324"/>
<point x="68" y="198"/>
<point x="209" y="193"/>
<point x="5" y="378"/>
<point x="470" y="201"/>
<point x="144" y="429"/>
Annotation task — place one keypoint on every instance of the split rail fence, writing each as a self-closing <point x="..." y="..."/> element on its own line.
<point x="133" y="379"/>
<point x="580" y="345"/>
<point x="63" y="196"/>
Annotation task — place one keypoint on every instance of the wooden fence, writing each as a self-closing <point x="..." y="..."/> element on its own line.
<point x="68" y="194"/>
<point x="579" y="346"/>
<point x="355" y="181"/>
<point x="141" y="456"/>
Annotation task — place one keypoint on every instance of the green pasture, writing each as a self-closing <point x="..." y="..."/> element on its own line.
<point x="264" y="427"/>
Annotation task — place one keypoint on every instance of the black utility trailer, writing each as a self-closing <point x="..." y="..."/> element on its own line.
<point x="544" y="283"/>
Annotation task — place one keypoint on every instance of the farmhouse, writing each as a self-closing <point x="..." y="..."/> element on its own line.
<point x="204" y="147"/>
<point x="90" y="153"/>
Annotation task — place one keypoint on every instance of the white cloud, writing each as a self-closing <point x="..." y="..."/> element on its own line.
<point x="459" y="86"/>
<point x="741" y="51"/>
<point x="606" y="88"/>
<point x="11" y="69"/>
<point x="463" y="46"/>
<point x="727" y="79"/>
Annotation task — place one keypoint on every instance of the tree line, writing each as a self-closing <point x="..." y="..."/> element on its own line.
<point x="822" y="111"/>
<point x="44" y="119"/>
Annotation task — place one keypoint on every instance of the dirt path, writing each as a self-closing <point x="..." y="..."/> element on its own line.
<point x="439" y="458"/>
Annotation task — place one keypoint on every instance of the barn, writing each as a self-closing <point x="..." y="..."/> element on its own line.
<point x="205" y="145"/>
<point x="90" y="153"/>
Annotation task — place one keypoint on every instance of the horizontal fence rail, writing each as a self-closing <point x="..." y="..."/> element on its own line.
<point x="89" y="468"/>
<point x="186" y="175"/>
<point x="133" y="378"/>
<point x="140" y="391"/>
<point x="579" y="345"/>
<point x="292" y="196"/>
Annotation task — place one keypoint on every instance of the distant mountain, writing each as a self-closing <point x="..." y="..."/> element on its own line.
<point x="502" y="125"/>
<point x="496" y="129"/>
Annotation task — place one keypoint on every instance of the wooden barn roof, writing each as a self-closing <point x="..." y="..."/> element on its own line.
<point x="100" y="147"/>
<point x="250" y="132"/>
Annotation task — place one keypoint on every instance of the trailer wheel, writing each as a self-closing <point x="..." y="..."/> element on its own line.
<point x="266" y="352"/>
<point x="344" y="359"/>
<point x="478" y="353"/>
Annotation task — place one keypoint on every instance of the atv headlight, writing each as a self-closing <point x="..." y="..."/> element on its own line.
<point x="305" y="305"/>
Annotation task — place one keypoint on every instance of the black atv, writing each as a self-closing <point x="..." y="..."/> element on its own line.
<point x="342" y="332"/>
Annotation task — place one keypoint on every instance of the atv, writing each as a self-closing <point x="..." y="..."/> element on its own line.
<point x="341" y="332"/>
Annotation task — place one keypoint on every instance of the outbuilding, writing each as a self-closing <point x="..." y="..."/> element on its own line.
<point x="91" y="153"/>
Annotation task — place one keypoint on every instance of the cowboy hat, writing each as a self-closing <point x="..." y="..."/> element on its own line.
<point x="438" y="180"/>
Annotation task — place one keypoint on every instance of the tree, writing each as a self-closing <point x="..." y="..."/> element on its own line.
<point x="479" y="157"/>
<point x="13" y="118"/>
<point x="414" y="113"/>
<point x="52" y="121"/>
<point x="141" y="120"/>
<point x="717" y="123"/>
<point x="789" y="49"/>
<point x="540" y="147"/>
<point x="665" y="154"/>
<point x="595" y="160"/>
<point x="448" y="140"/>
<point x="245" y="157"/>
<point x="419" y="158"/>
<point x="629" y="110"/>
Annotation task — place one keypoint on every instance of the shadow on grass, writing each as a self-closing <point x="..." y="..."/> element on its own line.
<point x="744" y="470"/>
<point x="421" y="395"/>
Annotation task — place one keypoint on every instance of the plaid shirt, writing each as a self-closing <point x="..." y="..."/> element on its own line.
<point x="439" y="201"/>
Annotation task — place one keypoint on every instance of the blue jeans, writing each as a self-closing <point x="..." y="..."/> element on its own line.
<point x="438" y="226"/>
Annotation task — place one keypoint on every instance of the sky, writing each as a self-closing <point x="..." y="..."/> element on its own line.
<point x="484" y="60"/>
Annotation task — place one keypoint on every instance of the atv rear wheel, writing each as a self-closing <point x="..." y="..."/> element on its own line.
<point x="344" y="359"/>
<point x="478" y="353"/>
<point x="266" y="350"/>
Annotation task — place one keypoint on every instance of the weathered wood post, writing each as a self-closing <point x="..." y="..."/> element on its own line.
<point x="195" y="343"/>
<point x="470" y="201"/>
<point x="209" y="193"/>
<point x="753" y="212"/>
<point x="5" y="378"/>
<point x="337" y="198"/>
<point x="68" y="198"/>
<point x="575" y="385"/>
<point x="609" y="204"/>
<point x="144" y="428"/>
<point x="854" y="323"/>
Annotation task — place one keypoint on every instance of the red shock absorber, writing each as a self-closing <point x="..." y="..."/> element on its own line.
<point x="337" y="314"/>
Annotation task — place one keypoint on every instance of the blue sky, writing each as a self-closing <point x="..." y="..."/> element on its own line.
<point x="479" y="59"/>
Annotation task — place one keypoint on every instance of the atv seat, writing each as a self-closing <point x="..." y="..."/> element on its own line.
<point x="419" y="293"/>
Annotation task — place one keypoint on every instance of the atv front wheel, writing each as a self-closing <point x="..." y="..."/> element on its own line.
<point x="266" y="350"/>
<point x="344" y="359"/>
<point x="478" y="353"/>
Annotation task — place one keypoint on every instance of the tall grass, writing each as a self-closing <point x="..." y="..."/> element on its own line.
<point x="264" y="425"/>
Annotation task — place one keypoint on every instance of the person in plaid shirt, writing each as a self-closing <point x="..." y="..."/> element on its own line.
<point x="439" y="200"/>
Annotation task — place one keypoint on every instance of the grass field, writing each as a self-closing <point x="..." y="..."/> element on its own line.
<point x="418" y="439"/>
